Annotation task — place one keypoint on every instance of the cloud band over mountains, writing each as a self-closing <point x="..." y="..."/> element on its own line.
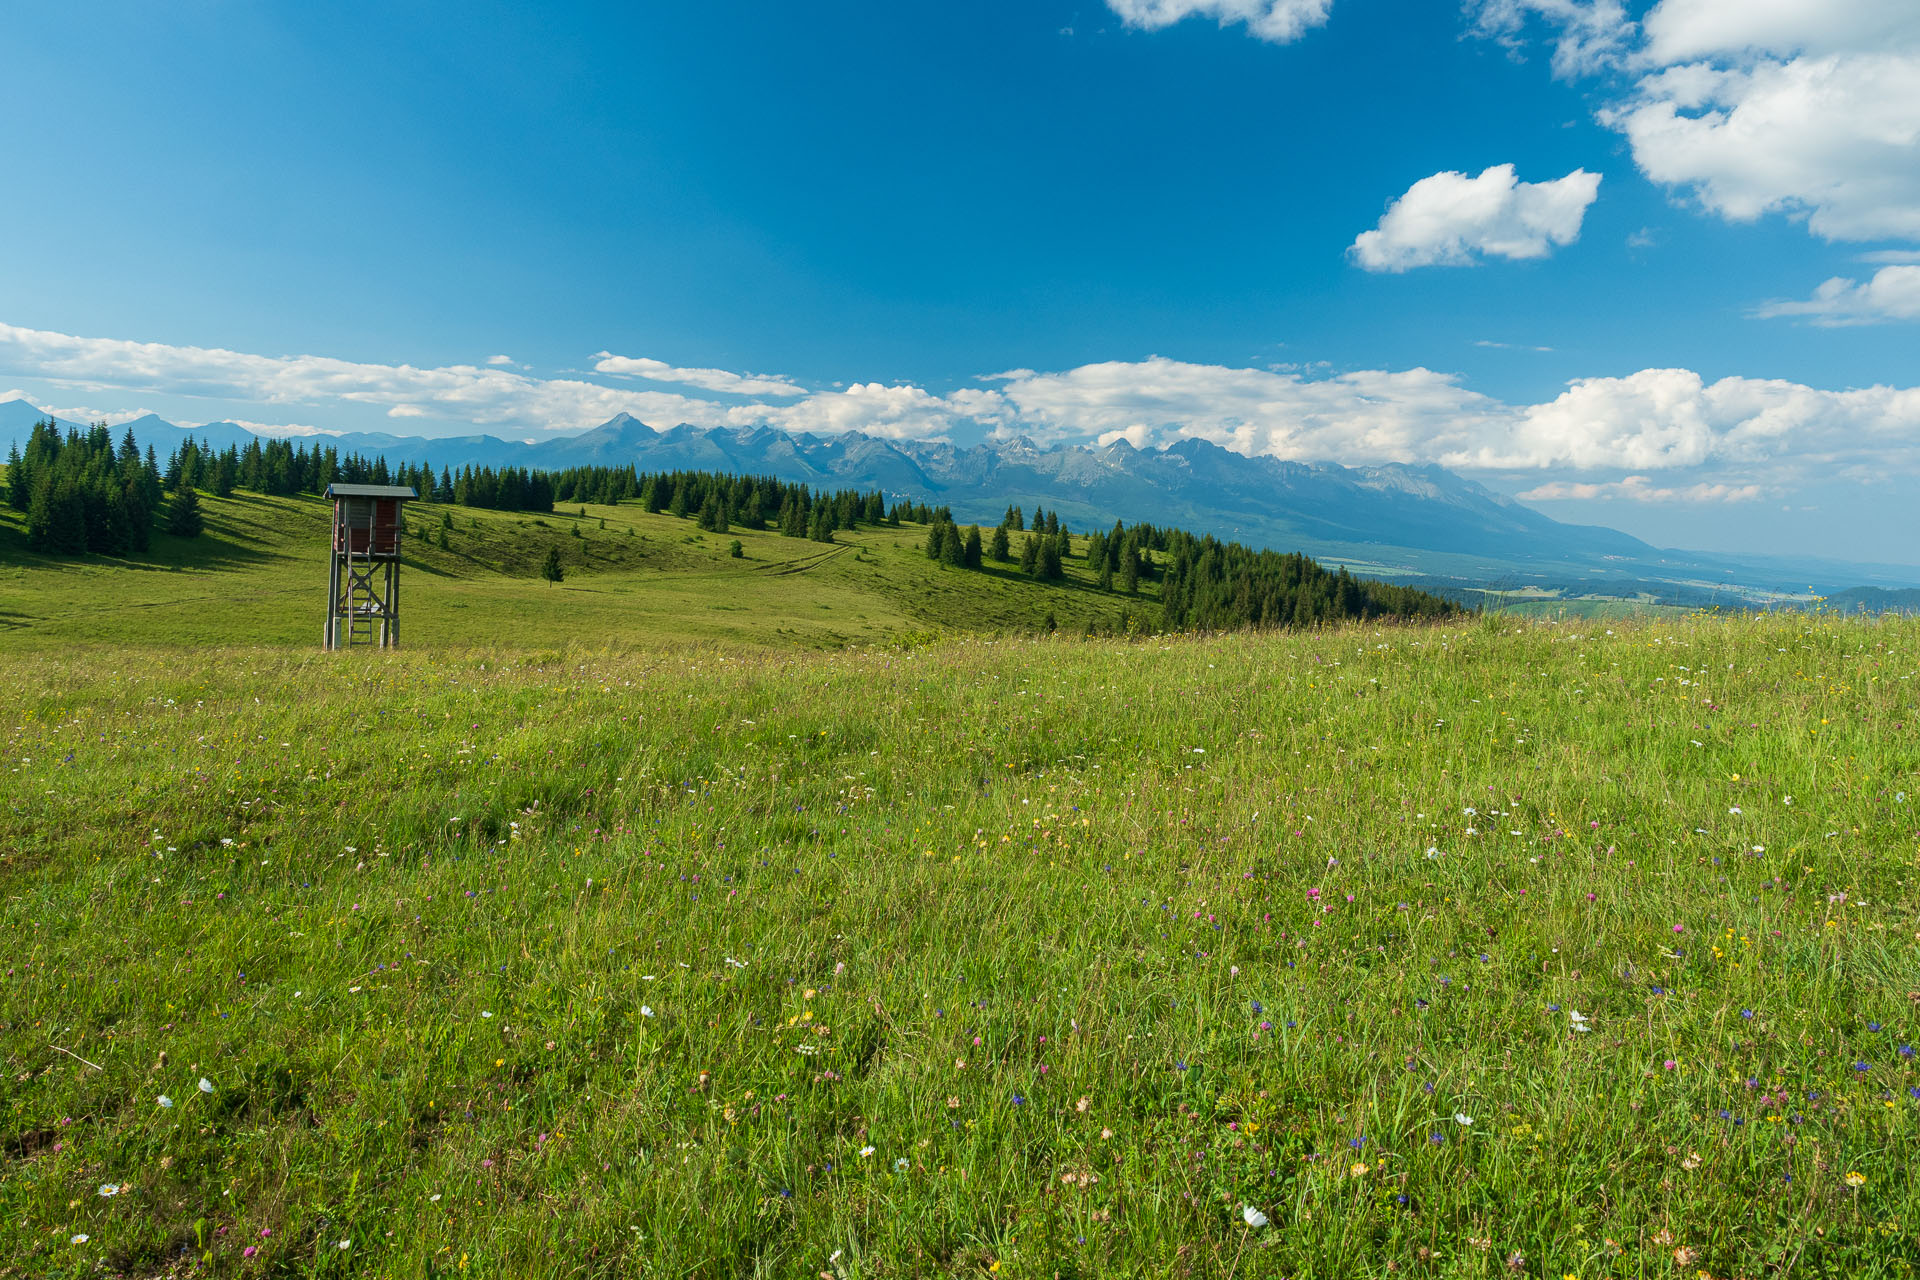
<point x="1739" y="434"/>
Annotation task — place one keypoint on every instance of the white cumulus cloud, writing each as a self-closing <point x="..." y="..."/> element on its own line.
<point x="1667" y="420"/>
<point x="1892" y="294"/>
<point x="1276" y="20"/>
<point x="1450" y="219"/>
<point x="1593" y="34"/>
<point x="1641" y="489"/>
<point x="1803" y="108"/>
<point x="1734" y="432"/>
<point x="482" y="395"/>
<point x="1679" y="30"/>
<point x="742" y="384"/>
<point x="1833" y="139"/>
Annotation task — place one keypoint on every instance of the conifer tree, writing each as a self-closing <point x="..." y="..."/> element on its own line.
<point x="999" y="549"/>
<point x="225" y="471"/>
<point x="1030" y="555"/>
<point x="551" y="569"/>
<point x="19" y="491"/>
<point x="183" y="513"/>
<point x="970" y="550"/>
<point x="1050" y="567"/>
<point x="952" y="551"/>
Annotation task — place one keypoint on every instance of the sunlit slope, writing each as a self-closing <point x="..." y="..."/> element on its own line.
<point x="258" y="576"/>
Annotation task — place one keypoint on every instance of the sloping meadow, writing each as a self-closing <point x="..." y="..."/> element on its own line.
<point x="1440" y="951"/>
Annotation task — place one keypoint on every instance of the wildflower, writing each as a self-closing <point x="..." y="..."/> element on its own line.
<point x="1462" y="1118"/>
<point x="866" y="1151"/>
<point x="1670" y="1064"/>
<point x="1684" y="1256"/>
<point x="486" y="1013"/>
<point x="645" y="1012"/>
<point x="250" y="1250"/>
<point x="1855" y="1179"/>
<point x="109" y="1189"/>
<point x="1357" y="1170"/>
<point x="900" y="1165"/>
<point x="81" y="1238"/>
<point x="1082" y="1104"/>
<point x="164" y="1100"/>
<point x="206" y="1085"/>
<point x="1019" y="1101"/>
<point x="1252" y="1216"/>
<point x="1692" y="1161"/>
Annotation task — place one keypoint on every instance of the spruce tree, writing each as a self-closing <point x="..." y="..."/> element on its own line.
<point x="1030" y="555"/>
<point x="952" y="551"/>
<point x="19" y="487"/>
<point x="551" y="569"/>
<point x="183" y="513"/>
<point x="970" y="550"/>
<point x="1000" y="549"/>
<point x="1050" y="567"/>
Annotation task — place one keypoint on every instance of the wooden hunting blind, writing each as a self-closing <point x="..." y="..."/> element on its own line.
<point x="363" y="558"/>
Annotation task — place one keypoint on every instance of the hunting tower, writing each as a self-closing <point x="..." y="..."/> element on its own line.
<point x="363" y="564"/>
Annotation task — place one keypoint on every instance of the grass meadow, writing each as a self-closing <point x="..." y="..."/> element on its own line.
<point x="1494" y="949"/>
<point x="259" y="576"/>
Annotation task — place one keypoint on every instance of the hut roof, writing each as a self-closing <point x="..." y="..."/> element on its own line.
<point x="371" y="491"/>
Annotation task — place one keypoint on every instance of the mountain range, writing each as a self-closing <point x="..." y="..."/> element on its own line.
<point x="1393" y="520"/>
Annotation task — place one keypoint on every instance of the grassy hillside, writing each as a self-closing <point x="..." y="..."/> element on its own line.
<point x="1578" y="950"/>
<point x="259" y="576"/>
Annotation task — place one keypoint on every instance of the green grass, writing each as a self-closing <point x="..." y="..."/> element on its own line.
<point x="615" y="959"/>
<point x="258" y="576"/>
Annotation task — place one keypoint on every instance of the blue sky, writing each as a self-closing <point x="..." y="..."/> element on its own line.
<point x="1283" y="225"/>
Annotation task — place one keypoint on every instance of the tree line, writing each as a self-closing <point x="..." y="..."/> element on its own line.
<point x="1216" y="586"/>
<point x="80" y="493"/>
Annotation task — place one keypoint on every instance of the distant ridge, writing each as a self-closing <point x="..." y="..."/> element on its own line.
<point x="1398" y="520"/>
